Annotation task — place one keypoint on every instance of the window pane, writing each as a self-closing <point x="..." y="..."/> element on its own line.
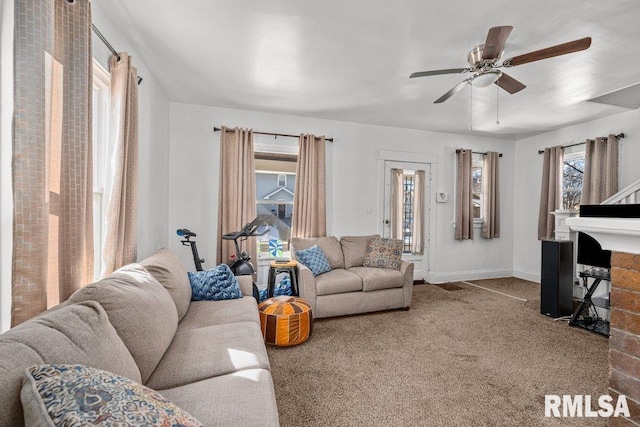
<point x="476" y="177"/>
<point x="275" y="184"/>
<point x="408" y="184"/>
<point x="476" y="199"/>
<point x="572" y="177"/>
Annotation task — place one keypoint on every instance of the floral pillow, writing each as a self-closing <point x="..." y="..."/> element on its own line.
<point x="81" y="395"/>
<point x="216" y="284"/>
<point x="384" y="253"/>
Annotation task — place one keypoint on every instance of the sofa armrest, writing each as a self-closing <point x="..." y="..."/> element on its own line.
<point x="246" y="285"/>
<point x="406" y="268"/>
<point x="307" y="285"/>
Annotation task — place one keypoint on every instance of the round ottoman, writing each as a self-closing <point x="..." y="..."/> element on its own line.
<point x="285" y="320"/>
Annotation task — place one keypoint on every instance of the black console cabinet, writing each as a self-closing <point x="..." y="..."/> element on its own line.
<point x="556" y="284"/>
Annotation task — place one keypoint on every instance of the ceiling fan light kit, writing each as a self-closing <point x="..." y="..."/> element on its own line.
<point x="484" y="62"/>
<point x="486" y="79"/>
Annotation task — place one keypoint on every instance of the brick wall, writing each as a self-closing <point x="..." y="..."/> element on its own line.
<point x="624" y="341"/>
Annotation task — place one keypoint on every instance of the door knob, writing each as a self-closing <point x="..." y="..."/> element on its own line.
<point x="386" y="221"/>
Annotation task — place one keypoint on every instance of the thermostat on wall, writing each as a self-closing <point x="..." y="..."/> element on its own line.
<point x="442" y="197"/>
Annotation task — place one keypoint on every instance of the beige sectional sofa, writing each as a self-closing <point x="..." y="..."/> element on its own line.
<point x="351" y="288"/>
<point x="207" y="357"/>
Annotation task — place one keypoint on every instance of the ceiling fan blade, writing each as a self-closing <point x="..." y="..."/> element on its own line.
<point x="496" y="38"/>
<point x="550" y="52"/>
<point x="457" y="88"/>
<point x="510" y="84"/>
<point x="439" y="72"/>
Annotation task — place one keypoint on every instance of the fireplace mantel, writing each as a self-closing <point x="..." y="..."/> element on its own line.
<point x="615" y="234"/>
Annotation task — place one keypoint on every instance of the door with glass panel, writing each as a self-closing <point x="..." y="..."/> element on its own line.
<point x="406" y="210"/>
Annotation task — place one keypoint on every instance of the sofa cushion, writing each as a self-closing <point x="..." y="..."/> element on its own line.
<point x="216" y="284"/>
<point x="329" y="245"/>
<point x="198" y="354"/>
<point x="384" y="253"/>
<point x="374" y="279"/>
<point x="209" y="313"/>
<point x="78" y="333"/>
<point x="337" y="282"/>
<point x="167" y="269"/>
<point x="314" y="259"/>
<point x="140" y="309"/>
<point x="244" y="398"/>
<point x="62" y="394"/>
<point x="354" y="249"/>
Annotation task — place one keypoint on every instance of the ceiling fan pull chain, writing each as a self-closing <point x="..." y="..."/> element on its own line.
<point x="471" y="108"/>
<point x="498" y="105"/>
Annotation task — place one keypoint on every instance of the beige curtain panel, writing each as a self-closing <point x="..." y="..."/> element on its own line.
<point x="417" y="230"/>
<point x="52" y="158"/>
<point x="491" y="193"/>
<point x="551" y="191"/>
<point x="309" y="200"/>
<point x="600" y="170"/>
<point x="464" y="194"/>
<point x="120" y="243"/>
<point x="237" y="191"/>
<point x="397" y="196"/>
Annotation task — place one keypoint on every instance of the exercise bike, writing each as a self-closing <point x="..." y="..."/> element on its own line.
<point x="187" y="235"/>
<point x="240" y="264"/>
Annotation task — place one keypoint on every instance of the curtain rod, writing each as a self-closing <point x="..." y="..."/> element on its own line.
<point x="479" y="152"/>
<point x="620" y="135"/>
<point x="216" y="129"/>
<point x="107" y="44"/>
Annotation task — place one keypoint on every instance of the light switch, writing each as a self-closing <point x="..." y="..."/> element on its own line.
<point x="442" y="197"/>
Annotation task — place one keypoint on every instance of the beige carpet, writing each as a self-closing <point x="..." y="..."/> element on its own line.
<point x="459" y="357"/>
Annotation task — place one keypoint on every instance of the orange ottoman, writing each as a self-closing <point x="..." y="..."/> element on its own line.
<point x="285" y="320"/>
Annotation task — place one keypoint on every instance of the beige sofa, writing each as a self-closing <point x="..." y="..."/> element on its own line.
<point x="350" y="288"/>
<point x="207" y="357"/>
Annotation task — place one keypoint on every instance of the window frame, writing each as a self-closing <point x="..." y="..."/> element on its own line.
<point x="263" y="245"/>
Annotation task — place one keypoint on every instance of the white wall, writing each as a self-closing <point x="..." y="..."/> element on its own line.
<point x="528" y="164"/>
<point x="6" y="202"/>
<point x="153" y="178"/>
<point x="352" y="183"/>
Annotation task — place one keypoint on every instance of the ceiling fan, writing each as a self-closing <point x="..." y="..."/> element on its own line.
<point x="483" y="62"/>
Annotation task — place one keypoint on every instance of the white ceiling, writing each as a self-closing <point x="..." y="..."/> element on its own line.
<point x="350" y="60"/>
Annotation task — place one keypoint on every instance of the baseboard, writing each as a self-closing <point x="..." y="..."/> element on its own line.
<point x="527" y="275"/>
<point x="468" y="275"/>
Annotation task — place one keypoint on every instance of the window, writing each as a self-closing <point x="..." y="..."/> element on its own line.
<point x="100" y="108"/>
<point x="476" y="177"/>
<point x="408" y="187"/>
<point x="572" y="177"/>
<point x="275" y="184"/>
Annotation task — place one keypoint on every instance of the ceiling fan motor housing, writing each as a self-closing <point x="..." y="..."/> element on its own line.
<point x="474" y="58"/>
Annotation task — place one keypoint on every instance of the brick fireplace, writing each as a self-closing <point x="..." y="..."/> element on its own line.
<point x="622" y="236"/>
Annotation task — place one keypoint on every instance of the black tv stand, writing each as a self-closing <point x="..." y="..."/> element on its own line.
<point x="586" y="316"/>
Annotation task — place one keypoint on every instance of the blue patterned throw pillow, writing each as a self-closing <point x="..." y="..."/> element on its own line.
<point x="315" y="259"/>
<point x="80" y="395"/>
<point x="282" y="288"/>
<point x="216" y="284"/>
